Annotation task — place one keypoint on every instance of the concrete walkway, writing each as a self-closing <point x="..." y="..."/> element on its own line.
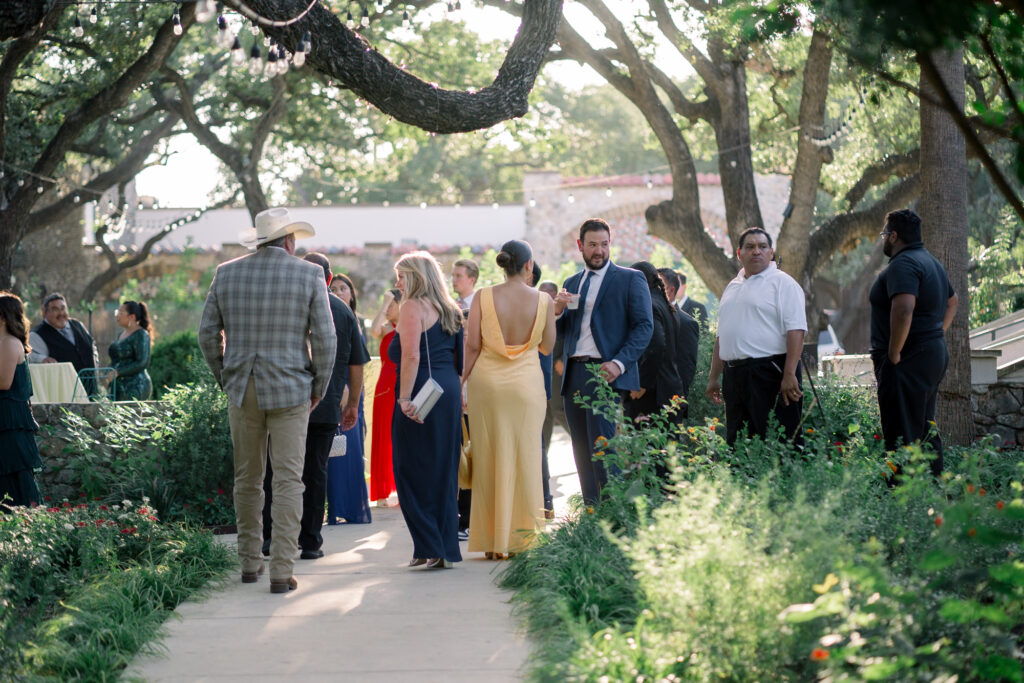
<point x="359" y="614"/>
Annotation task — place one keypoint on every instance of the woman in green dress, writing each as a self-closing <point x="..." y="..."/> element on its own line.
<point x="19" y="454"/>
<point x="129" y="354"/>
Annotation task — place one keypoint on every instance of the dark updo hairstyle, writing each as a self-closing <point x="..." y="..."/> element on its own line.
<point x="12" y="312"/>
<point x="654" y="281"/>
<point x="352" y="288"/>
<point x="514" y="255"/>
<point x="141" y="313"/>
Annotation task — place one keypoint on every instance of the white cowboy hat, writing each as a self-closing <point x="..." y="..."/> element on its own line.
<point x="272" y="224"/>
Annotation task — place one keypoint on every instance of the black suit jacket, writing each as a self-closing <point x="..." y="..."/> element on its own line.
<point x="687" y="339"/>
<point x="695" y="310"/>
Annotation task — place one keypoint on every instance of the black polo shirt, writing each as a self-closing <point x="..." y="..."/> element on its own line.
<point x="911" y="271"/>
<point x="351" y="350"/>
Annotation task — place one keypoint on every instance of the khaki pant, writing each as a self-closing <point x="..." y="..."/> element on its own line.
<point x="250" y="427"/>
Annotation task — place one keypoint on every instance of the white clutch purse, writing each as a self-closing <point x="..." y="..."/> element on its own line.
<point x="339" y="446"/>
<point x="426" y="397"/>
<point x="428" y="394"/>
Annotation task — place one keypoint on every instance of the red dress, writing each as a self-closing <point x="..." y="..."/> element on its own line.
<point x="382" y="474"/>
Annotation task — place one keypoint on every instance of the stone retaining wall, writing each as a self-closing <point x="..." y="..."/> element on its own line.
<point x="59" y="480"/>
<point x="999" y="410"/>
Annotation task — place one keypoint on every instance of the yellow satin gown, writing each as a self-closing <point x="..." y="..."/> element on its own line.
<point x="506" y="413"/>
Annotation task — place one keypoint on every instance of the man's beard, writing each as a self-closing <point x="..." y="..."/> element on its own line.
<point x="591" y="262"/>
<point x="887" y="248"/>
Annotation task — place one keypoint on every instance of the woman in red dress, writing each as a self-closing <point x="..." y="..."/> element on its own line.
<point x="382" y="474"/>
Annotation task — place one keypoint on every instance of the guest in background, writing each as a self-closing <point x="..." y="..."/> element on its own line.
<point x="343" y="288"/>
<point x="347" y="502"/>
<point x="19" y="454"/>
<point x="62" y="339"/>
<point x="465" y="273"/>
<point x="554" y="411"/>
<point x="508" y="324"/>
<point x="129" y="353"/>
<point x="659" y="377"/>
<point x="382" y="473"/>
<point x="427" y="344"/>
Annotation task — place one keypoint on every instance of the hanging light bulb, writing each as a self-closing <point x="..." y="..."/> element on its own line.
<point x="253" y="28"/>
<point x="78" y="31"/>
<point x="270" y="70"/>
<point x="298" y="59"/>
<point x="237" y="53"/>
<point x="224" y="35"/>
<point x="94" y="16"/>
<point x="348" y="20"/>
<point x="405" y="19"/>
<point x="458" y="5"/>
<point x="380" y="5"/>
<point x="307" y="42"/>
<point x="176" y="20"/>
<point x="571" y="198"/>
<point x="365" y="21"/>
<point x="267" y="41"/>
<point x="451" y="7"/>
<point x="282" y="60"/>
<point x="607" y="192"/>
<point x="255" y="63"/>
<point x="205" y="10"/>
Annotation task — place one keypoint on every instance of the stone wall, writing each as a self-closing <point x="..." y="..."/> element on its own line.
<point x="999" y="410"/>
<point x="59" y="480"/>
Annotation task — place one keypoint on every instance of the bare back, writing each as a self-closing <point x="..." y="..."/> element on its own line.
<point x="516" y="307"/>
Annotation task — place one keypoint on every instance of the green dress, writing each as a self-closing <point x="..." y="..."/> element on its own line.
<point x="130" y="357"/>
<point x="19" y="454"/>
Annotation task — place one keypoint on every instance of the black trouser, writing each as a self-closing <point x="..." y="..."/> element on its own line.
<point x="750" y="389"/>
<point x="585" y="428"/>
<point x="907" y="394"/>
<point x="465" y="500"/>
<point x="319" y="437"/>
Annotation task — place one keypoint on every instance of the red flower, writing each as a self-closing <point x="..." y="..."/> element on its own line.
<point x="111" y="523"/>
<point x="80" y="524"/>
<point x="80" y="506"/>
<point x="981" y="491"/>
<point x="1000" y="505"/>
<point x="209" y="500"/>
<point x="143" y="511"/>
<point x="971" y="532"/>
<point x="53" y="509"/>
<point x="152" y="518"/>
<point x="878" y="437"/>
<point x="938" y="521"/>
<point x="47" y="498"/>
<point x="818" y="654"/>
<point x="970" y="488"/>
<point x="220" y="492"/>
<point x="129" y="530"/>
<point x="99" y="522"/>
<point x="103" y="507"/>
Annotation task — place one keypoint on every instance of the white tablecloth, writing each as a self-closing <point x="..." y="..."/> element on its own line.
<point x="56" y="383"/>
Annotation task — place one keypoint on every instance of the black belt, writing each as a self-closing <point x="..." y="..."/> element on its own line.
<point x="739" y="363"/>
<point x="585" y="359"/>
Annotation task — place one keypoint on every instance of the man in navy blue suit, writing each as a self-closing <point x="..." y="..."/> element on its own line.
<point x="604" y="316"/>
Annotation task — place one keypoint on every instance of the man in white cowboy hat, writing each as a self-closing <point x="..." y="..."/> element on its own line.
<point x="268" y="336"/>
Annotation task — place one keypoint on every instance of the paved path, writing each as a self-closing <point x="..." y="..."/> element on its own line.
<point x="359" y="615"/>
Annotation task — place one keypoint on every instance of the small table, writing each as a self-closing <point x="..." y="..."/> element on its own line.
<point x="56" y="383"/>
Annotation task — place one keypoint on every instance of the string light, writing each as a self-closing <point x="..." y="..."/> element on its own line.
<point x="224" y="35"/>
<point x="205" y="10"/>
<point x="405" y="19"/>
<point x="365" y="20"/>
<point x="349" y="21"/>
<point x="255" y="62"/>
<point x="237" y="53"/>
<point x="78" y="31"/>
<point x="94" y="16"/>
<point x="176" y="20"/>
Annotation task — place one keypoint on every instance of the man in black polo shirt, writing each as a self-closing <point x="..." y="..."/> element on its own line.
<point x="62" y="339"/>
<point x="912" y="305"/>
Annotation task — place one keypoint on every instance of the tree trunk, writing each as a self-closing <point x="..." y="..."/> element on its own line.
<point x="943" y="212"/>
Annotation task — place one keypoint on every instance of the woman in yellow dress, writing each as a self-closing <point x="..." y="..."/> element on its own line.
<point x="508" y="323"/>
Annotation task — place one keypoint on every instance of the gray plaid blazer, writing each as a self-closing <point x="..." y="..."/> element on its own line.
<point x="277" y="327"/>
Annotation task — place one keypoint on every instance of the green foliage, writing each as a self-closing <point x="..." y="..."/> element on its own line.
<point x="178" y="453"/>
<point x="997" y="280"/>
<point x="765" y="562"/>
<point x="175" y="360"/>
<point x="83" y="587"/>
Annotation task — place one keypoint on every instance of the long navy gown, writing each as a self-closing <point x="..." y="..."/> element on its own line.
<point x="426" y="456"/>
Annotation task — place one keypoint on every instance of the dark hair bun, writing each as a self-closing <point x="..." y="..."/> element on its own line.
<point x="505" y="260"/>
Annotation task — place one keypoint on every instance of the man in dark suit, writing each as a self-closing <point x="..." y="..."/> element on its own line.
<point x="62" y="339"/>
<point x="604" y="315"/>
<point x="675" y="286"/>
<point x="687" y="341"/>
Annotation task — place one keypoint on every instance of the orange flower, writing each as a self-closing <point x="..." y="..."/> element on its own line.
<point x="938" y="521"/>
<point x="1000" y="505"/>
<point x="810" y="431"/>
<point x="819" y="654"/>
<point x="971" y="532"/>
<point x="981" y="491"/>
<point x="891" y="466"/>
<point x="970" y="488"/>
<point x="600" y="442"/>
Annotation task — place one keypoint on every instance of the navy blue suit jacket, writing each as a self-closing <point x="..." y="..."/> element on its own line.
<point x="622" y="322"/>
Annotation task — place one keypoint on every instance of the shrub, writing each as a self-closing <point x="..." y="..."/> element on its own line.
<point x="84" y="586"/>
<point x="176" y="359"/>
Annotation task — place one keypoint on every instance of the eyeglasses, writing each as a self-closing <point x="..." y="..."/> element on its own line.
<point x="885" y="233"/>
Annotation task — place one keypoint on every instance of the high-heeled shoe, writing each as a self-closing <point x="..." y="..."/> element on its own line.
<point x="438" y="563"/>
<point x="417" y="561"/>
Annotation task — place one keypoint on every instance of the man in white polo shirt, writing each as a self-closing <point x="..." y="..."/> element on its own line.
<point x="761" y="326"/>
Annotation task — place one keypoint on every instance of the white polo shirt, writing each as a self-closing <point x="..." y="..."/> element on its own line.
<point x="755" y="313"/>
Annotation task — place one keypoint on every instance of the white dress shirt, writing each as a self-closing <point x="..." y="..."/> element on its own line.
<point x="585" y="345"/>
<point x="40" y="351"/>
<point x="756" y="312"/>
